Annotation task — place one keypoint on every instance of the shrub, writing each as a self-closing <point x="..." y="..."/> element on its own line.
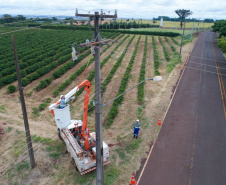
<point x="11" y="89"/>
<point x="164" y="50"/>
<point x="43" y="84"/>
<point x="172" y="63"/>
<point x="222" y="43"/>
<point x="25" y="81"/>
<point x="114" y="109"/>
<point x="35" y="111"/>
<point x="175" y="42"/>
<point x="140" y="94"/>
<point x="156" y="58"/>
<point x="112" y="72"/>
<point x="42" y="106"/>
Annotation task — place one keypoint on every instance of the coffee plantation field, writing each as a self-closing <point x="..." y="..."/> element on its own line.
<point x="48" y="71"/>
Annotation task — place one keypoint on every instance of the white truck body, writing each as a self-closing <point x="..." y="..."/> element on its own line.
<point x="85" y="160"/>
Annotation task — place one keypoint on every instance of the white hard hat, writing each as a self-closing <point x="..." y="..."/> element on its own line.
<point x="61" y="96"/>
<point x="137" y="120"/>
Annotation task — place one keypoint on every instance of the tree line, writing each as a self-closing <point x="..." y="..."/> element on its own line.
<point x="166" y="18"/>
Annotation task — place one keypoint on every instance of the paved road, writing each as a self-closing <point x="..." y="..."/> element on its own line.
<point x="191" y="147"/>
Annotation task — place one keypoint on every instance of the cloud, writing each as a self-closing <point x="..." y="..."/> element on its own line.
<point x="126" y="8"/>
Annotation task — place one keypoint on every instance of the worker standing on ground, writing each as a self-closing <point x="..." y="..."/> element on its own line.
<point x="136" y="129"/>
<point x="64" y="102"/>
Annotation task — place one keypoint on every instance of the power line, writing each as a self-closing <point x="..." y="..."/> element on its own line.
<point x="205" y="71"/>
<point x="209" y="59"/>
<point x="28" y="155"/>
<point x="105" y="105"/>
<point x="206" y="65"/>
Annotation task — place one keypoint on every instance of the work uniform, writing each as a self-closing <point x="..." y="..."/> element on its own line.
<point x="136" y="130"/>
<point x="63" y="103"/>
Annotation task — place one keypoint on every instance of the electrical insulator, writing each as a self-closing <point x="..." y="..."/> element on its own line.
<point x="74" y="56"/>
<point x="92" y="51"/>
<point x="87" y="41"/>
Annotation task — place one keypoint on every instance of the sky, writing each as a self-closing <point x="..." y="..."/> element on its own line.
<point x="137" y="9"/>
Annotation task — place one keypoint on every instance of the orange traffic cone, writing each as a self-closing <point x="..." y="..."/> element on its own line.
<point x="133" y="180"/>
<point x="159" y="123"/>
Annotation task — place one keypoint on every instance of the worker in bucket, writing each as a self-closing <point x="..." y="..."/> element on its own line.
<point x="136" y="129"/>
<point x="64" y="102"/>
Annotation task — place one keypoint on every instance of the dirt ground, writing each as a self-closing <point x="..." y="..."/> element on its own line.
<point x="59" y="171"/>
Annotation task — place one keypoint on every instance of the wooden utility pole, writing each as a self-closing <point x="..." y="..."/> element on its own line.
<point x="26" y="125"/>
<point x="98" y="101"/>
<point x="182" y="42"/>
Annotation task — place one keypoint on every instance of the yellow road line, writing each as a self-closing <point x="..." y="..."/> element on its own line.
<point x="222" y="89"/>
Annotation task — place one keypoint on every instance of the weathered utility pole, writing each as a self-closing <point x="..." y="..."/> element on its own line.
<point x="182" y="42"/>
<point x="26" y="125"/>
<point x="192" y="29"/>
<point x="98" y="101"/>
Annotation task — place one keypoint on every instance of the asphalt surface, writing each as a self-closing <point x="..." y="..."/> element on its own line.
<point x="191" y="147"/>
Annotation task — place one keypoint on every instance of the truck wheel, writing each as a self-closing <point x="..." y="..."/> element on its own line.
<point x="74" y="164"/>
<point x="60" y="136"/>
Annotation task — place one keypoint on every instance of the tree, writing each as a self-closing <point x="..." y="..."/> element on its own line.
<point x="154" y="21"/>
<point x="54" y="18"/>
<point x="222" y="31"/>
<point x="20" y="18"/>
<point x="6" y="15"/>
<point x="182" y="15"/>
<point x="90" y="19"/>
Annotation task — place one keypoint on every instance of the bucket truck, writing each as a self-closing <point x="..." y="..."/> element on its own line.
<point x="80" y="143"/>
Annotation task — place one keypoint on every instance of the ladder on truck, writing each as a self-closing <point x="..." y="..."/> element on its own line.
<point x="74" y="144"/>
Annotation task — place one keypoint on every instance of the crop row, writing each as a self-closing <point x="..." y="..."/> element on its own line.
<point x="172" y="47"/>
<point x="34" y="40"/>
<point x="164" y="50"/>
<point x="113" y="70"/>
<point x="140" y="94"/>
<point x="44" y="83"/>
<point x="72" y="77"/>
<point x="175" y="42"/>
<point x="92" y="74"/>
<point x="29" y="66"/>
<point x="63" y="69"/>
<point x="37" y="67"/>
<point x="32" y="58"/>
<point x="31" y="41"/>
<point x="114" y="109"/>
<point x="156" y="58"/>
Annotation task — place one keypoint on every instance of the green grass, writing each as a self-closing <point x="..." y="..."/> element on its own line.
<point x="121" y="154"/>
<point x="37" y="139"/>
<point x="22" y="170"/>
<point x="2" y="109"/>
<point x="56" y="149"/>
<point x="111" y="175"/>
<point x="29" y="94"/>
<point x="172" y="63"/>
<point x="170" y="24"/>
<point x="9" y="129"/>
<point x="35" y="111"/>
<point x="133" y="145"/>
<point x="162" y="30"/>
<point x="140" y="110"/>
<point x="21" y="166"/>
